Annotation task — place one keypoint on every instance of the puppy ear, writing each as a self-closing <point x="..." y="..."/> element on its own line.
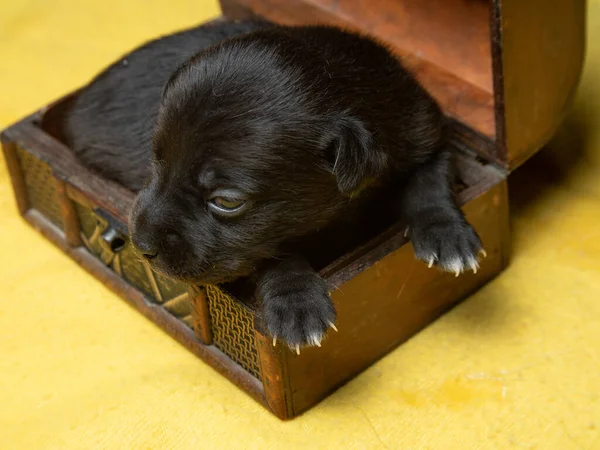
<point x="358" y="161"/>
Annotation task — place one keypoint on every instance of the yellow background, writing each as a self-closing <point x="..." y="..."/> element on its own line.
<point x="515" y="366"/>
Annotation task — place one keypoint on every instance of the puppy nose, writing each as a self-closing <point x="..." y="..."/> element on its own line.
<point x="147" y="250"/>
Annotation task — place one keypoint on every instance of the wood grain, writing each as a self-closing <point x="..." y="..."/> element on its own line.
<point x="275" y="379"/>
<point x="200" y="314"/>
<point x="16" y="173"/>
<point x="72" y="227"/>
<point x="538" y="59"/>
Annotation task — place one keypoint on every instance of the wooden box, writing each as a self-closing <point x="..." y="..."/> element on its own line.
<point x="504" y="72"/>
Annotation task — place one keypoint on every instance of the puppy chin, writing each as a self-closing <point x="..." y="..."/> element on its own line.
<point x="199" y="277"/>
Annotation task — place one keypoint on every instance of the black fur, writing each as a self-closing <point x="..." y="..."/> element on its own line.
<point x="110" y="126"/>
<point x="321" y="132"/>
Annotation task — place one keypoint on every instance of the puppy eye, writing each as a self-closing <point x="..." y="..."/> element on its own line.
<point x="227" y="206"/>
<point x="228" y="202"/>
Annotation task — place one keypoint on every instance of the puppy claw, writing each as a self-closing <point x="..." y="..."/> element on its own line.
<point x="333" y="326"/>
<point x="315" y="339"/>
<point x="300" y="318"/>
<point x="406" y="230"/>
<point x="455" y="266"/>
<point x="274" y="341"/>
<point x="474" y="265"/>
<point x="450" y="244"/>
<point x="483" y="253"/>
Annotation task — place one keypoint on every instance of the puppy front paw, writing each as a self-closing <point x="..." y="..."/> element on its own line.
<point x="452" y="244"/>
<point x="299" y="316"/>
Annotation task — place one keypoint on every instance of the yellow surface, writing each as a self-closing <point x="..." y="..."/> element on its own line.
<point x="515" y="366"/>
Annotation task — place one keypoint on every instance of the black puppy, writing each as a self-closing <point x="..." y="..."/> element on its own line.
<point x="277" y="150"/>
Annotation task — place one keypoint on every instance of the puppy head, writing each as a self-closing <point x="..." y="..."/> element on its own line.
<point x="247" y="156"/>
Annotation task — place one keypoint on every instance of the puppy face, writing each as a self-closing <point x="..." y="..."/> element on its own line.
<point x="245" y="159"/>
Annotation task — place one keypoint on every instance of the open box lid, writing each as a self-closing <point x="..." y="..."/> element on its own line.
<point x="504" y="70"/>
